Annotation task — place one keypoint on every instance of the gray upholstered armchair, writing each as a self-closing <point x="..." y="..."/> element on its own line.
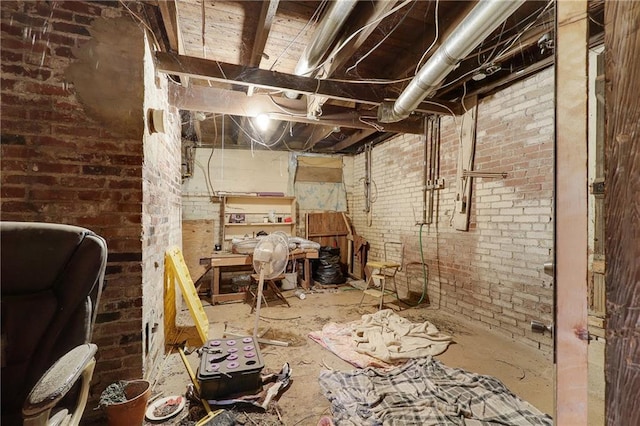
<point x="51" y="280"/>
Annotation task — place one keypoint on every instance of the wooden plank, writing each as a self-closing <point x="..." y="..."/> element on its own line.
<point x="176" y="273"/>
<point x="571" y="237"/>
<point x="598" y="267"/>
<point x="368" y="22"/>
<point x="622" y="212"/>
<point x="267" y="13"/>
<point x="329" y="229"/>
<point x="353" y="139"/>
<point x="313" y="161"/>
<point x="169" y="18"/>
<point x="224" y="72"/>
<point x="318" y="174"/>
<point x="197" y="242"/>
<point x="466" y="152"/>
<point x="328" y="234"/>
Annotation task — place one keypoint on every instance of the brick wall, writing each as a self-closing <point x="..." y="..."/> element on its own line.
<point x="161" y="211"/>
<point x="63" y="161"/>
<point x="491" y="274"/>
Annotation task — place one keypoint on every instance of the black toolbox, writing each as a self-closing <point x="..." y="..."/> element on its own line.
<point x="229" y="367"/>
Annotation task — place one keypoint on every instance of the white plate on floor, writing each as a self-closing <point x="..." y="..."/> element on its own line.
<point x="161" y="402"/>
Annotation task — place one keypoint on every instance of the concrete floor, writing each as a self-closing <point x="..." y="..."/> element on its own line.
<point x="524" y="370"/>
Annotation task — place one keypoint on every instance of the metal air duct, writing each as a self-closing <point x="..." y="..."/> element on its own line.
<point x="324" y="36"/>
<point x="483" y="19"/>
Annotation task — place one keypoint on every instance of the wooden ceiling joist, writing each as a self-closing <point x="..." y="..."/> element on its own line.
<point x="222" y="101"/>
<point x="352" y="140"/>
<point x="267" y="13"/>
<point x="248" y="76"/>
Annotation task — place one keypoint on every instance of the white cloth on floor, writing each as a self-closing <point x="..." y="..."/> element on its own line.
<point x="389" y="337"/>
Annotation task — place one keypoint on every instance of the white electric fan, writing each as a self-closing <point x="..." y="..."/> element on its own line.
<point x="269" y="260"/>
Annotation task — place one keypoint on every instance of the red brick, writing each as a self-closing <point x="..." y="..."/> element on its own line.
<point x="32" y="179"/>
<point x="19" y="207"/>
<point x="45" y="89"/>
<point x="28" y="20"/>
<point x="22" y="45"/>
<point x="50" y="141"/>
<point x="57" y="168"/>
<point x="68" y="28"/>
<point x="14" y="112"/>
<point x="81" y="8"/>
<point x="82" y="182"/>
<point x="34" y="73"/>
<point x="10" y="56"/>
<point x="12" y="192"/>
<point x="54" y="194"/>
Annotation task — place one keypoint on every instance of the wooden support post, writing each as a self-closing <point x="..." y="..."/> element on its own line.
<point x="622" y="207"/>
<point x="466" y="152"/>
<point x="571" y="331"/>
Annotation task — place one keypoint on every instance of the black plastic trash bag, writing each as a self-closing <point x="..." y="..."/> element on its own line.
<point x="327" y="269"/>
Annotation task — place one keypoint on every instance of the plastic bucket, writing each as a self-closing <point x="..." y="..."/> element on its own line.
<point x="290" y="281"/>
<point x="131" y="412"/>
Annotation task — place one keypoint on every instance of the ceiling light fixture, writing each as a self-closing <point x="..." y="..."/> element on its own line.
<point x="263" y="120"/>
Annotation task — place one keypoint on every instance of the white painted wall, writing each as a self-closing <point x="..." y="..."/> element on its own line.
<point x="235" y="170"/>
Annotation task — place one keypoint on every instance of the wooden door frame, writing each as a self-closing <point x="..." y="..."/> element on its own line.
<point x="571" y="236"/>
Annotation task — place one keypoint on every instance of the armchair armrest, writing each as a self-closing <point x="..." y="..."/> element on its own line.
<point x="57" y="381"/>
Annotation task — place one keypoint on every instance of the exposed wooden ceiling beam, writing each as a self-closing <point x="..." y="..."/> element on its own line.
<point x="267" y="13"/>
<point x="365" y="20"/>
<point x="222" y="101"/>
<point x="353" y="139"/>
<point x="247" y="76"/>
<point x="407" y="61"/>
<point x="170" y="20"/>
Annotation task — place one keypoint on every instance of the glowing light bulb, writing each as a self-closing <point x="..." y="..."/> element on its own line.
<point x="263" y="120"/>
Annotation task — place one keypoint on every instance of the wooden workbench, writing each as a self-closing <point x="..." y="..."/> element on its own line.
<point x="224" y="259"/>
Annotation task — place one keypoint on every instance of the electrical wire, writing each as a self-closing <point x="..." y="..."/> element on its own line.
<point x="356" y="32"/>
<point x="435" y="39"/>
<point x="155" y="40"/>
<point x="370" y="80"/>
<point x="299" y="113"/>
<point x="363" y="57"/>
<point x="259" y="140"/>
<point x="208" y="171"/>
<point x="314" y="18"/>
<point x="510" y="42"/>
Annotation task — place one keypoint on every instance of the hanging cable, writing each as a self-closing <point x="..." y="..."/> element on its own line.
<point x="314" y="18"/>
<point x="363" y="57"/>
<point x="356" y="32"/>
<point x="435" y="39"/>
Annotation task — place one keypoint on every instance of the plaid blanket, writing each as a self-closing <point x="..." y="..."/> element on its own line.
<point x="423" y="391"/>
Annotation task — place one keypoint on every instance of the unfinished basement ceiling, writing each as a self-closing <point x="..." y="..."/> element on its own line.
<point x="234" y="60"/>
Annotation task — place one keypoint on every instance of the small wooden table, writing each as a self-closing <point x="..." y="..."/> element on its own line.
<point x="224" y="259"/>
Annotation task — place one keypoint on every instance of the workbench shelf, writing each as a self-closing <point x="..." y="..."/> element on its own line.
<point x="244" y="215"/>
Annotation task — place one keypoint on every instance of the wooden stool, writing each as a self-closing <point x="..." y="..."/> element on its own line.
<point x="388" y="270"/>
<point x="271" y="284"/>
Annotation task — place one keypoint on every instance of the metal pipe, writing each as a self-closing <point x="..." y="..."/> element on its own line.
<point x="483" y="19"/>
<point x="323" y="37"/>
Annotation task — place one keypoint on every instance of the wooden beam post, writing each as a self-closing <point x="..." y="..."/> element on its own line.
<point x="466" y="153"/>
<point x="571" y="331"/>
<point x="622" y="212"/>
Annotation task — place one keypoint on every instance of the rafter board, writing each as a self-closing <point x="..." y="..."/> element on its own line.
<point x="222" y="101"/>
<point x="247" y="76"/>
<point x="318" y="174"/>
<point x="571" y="328"/>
